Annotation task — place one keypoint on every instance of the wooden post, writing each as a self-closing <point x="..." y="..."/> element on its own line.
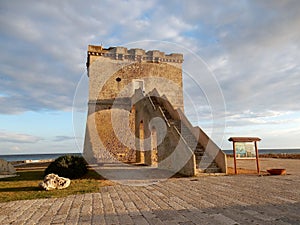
<point x="257" y="159"/>
<point x="234" y="157"/>
<point x="245" y="139"/>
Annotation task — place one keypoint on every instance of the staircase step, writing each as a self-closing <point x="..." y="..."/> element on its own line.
<point x="210" y="170"/>
<point x="198" y="155"/>
<point x="199" y="150"/>
<point x="206" y="158"/>
<point x="171" y="122"/>
<point x="190" y="138"/>
<point x="198" y="158"/>
<point x="213" y="170"/>
<point x="208" y="165"/>
<point x="205" y="165"/>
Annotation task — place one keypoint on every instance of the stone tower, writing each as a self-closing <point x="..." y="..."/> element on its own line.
<point x="115" y="74"/>
<point x="135" y="113"/>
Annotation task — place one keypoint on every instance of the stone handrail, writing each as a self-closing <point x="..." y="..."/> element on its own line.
<point x="187" y="153"/>
<point x="151" y="102"/>
<point x="164" y="116"/>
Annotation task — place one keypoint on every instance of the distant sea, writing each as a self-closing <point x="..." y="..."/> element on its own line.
<point x="34" y="157"/>
<point x="271" y="151"/>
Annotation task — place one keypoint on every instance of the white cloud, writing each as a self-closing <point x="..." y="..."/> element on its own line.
<point x="15" y="148"/>
<point x="18" y="138"/>
<point x="63" y="138"/>
<point x="252" y="47"/>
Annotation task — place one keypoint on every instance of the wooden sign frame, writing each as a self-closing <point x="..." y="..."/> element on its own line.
<point x="245" y="140"/>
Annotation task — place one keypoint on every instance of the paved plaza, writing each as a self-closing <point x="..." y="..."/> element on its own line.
<point x="241" y="199"/>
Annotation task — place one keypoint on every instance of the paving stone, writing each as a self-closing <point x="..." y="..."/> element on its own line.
<point x="186" y="223"/>
<point x="139" y="220"/>
<point x="98" y="219"/>
<point x="242" y="199"/>
<point x="125" y="219"/>
<point x="154" y="221"/>
<point x="221" y="219"/>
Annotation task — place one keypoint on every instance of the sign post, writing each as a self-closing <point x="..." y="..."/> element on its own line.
<point x="245" y="148"/>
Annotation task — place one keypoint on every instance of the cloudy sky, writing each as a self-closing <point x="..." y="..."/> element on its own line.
<point x="252" y="49"/>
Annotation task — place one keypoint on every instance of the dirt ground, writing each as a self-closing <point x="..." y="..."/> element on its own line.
<point x="292" y="166"/>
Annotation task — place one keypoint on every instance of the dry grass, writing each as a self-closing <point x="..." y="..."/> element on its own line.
<point x="25" y="186"/>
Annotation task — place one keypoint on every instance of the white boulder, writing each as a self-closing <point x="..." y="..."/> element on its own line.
<point x="53" y="181"/>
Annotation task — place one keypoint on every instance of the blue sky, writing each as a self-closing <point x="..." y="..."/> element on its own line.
<point x="251" y="47"/>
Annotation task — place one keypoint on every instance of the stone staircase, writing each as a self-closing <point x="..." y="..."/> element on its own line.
<point x="204" y="162"/>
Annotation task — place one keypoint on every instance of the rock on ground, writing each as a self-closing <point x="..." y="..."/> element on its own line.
<point x="53" y="181"/>
<point x="6" y="168"/>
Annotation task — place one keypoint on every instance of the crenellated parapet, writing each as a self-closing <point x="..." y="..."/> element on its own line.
<point x="135" y="54"/>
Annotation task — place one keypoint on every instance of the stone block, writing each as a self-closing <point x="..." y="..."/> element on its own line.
<point x="6" y="168"/>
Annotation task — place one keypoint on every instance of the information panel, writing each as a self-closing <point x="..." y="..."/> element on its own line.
<point x="245" y="150"/>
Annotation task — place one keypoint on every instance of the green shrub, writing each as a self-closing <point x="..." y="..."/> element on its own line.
<point x="69" y="166"/>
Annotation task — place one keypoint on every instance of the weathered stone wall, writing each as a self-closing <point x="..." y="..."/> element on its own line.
<point x="110" y="135"/>
<point x="117" y="80"/>
<point x="115" y="73"/>
<point x="107" y="133"/>
<point x="173" y="153"/>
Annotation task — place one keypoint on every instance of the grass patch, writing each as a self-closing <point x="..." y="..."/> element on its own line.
<point x="25" y="186"/>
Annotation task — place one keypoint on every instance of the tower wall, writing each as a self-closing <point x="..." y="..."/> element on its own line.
<point x="114" y="74"/>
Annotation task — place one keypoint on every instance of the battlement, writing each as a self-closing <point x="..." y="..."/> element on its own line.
<point x="135" y="54"/>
